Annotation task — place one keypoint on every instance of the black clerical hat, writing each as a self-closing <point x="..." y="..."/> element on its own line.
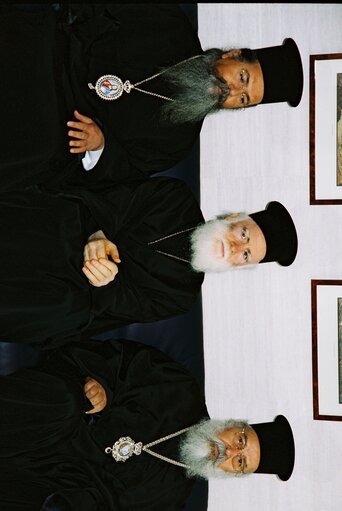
<point x="277" y="447"/>
<point x="282" y="72"/>
<point x="280" y="233"/>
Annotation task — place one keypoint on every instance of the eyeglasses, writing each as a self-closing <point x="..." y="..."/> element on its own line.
<point x="239" y="462"/>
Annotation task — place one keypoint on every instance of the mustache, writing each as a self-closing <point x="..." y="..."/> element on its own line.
<point x="221" y="452"/>
<point x="223" y="85"/>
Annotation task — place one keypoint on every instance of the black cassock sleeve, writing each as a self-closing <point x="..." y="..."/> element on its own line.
<point x="40" y="409"/>
<point x="149" y="286"/>
<point x="71" y="500"/>
<point x="19" y="493"/>
<point x="99" y="360"/>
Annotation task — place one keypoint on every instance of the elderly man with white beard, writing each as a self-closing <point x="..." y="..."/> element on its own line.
<point x="166" y="247"/>
<point x="117" y="426"/>
<point x="136" y="253"/>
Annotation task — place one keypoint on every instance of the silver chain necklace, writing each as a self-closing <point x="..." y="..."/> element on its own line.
<point x="111" y="87"/>
<point x="125" y="447"/>
<point x="171" y="236"/>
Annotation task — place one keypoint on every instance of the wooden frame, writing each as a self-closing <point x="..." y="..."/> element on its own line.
<point x="326" y="306"/>
<point x="325" y="148"/>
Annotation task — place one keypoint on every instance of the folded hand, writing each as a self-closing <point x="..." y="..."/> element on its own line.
<point x="100" y="272"/>
<point x="96" y="395"/>
<point x="98" y="268"/>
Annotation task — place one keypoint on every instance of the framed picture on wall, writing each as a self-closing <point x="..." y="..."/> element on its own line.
<point x="326" y="128"/>
<point x="326" y="300"/>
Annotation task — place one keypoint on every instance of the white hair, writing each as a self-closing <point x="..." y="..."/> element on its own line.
<point x="196" y="446"/>
<point x="203" y="239"/>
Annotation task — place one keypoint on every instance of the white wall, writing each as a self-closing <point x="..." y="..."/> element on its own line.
<point x="257" y="323"/>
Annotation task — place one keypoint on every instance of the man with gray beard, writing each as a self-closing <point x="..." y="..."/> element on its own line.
<point x="118" y="426"/>
<point x="222" y="448"/>
<point x="138" y="72"/>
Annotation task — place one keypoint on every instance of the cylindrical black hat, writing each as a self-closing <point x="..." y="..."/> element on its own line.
<point x="280" y="233"/>
<point x="277" y="447"/>
<point x="282" y="72"/>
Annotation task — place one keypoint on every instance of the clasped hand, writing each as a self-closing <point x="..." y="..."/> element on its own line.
<point x="89" y="136"/>
<point x="98" y="268"/>
<point x="96" y="395"/>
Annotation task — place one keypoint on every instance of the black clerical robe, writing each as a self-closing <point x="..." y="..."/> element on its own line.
<point x="47" y="67"/>
<point x="46" y="298"/>
<point x="52" y="455"/>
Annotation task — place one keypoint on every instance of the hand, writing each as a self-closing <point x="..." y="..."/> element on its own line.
<point x="99" y="247"/>
<point x="89" y="136"/>
<point x="96" y="395"/>
<point x="100" y="272"/>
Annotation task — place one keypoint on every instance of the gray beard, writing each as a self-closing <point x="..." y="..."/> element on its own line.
<point x="196" y="448"/>
<point x="194" y="89"/>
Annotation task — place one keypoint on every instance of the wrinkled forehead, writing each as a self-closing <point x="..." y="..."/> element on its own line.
<point x="231" y="424"/>
<point x="233" y="218"/>
<point x="231" y="431"/>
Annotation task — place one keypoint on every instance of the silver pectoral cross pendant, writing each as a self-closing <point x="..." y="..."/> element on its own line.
<point x="124" y="448"/>
<point x="111" y="87"/>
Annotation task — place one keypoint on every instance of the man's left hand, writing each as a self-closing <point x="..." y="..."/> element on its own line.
<point x="88" y="135"/>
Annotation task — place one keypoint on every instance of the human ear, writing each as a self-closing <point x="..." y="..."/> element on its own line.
<point x="231" y="54"/>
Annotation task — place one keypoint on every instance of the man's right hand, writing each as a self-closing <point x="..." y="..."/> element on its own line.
<point x="100" y="272"/>
<point x="98" y="268"/>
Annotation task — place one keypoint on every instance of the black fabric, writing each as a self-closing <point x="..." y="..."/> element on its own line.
<point x="47" y="299"/>
<point x="48" y="67"/>
<point x="150" y="285"/>
<point x="48" y="444"/>
<point x="34" y="133"/>
<point x="43" y="292"/>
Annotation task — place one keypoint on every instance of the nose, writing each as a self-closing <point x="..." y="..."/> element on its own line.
<point x="236" y="246"/>
<point x="231" y="451"/>
<point x="235" y="88"/>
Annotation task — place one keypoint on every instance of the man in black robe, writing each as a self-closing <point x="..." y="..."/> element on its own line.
<point x="51" y="70"/>
<point x="54" y="456"/>
<point x="44" y="293"/>
<point x="143" y="247"/>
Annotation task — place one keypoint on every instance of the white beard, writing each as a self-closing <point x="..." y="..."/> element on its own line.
<point x="196" y="447"/>
<point x="202" y="244"/>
